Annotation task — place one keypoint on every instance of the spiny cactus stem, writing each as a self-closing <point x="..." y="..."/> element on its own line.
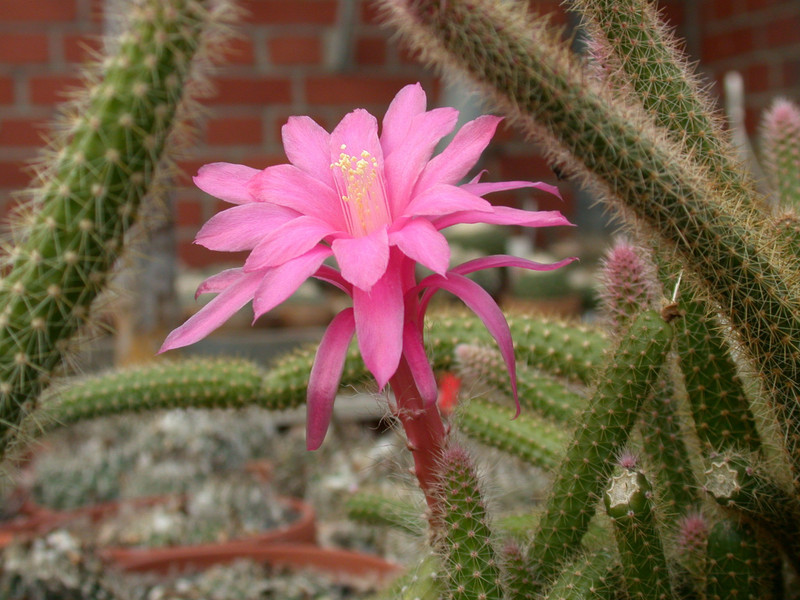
<point x="426" y="435"/>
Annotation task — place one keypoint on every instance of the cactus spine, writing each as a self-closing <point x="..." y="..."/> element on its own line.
<point x="69" y="240"/>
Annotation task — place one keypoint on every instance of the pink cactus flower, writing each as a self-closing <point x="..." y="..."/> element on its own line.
<point x="376" y="202"/>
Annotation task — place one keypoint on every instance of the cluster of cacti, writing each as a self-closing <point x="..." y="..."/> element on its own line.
<point x="702" y="388"/>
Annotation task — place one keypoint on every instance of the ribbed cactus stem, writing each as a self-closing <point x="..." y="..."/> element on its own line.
<point x="691" y="542"/>
<point x="780" y="150"/>
<point x="483" y="367"/>
<point x="528" y="437"/>
<point x="519" y="578"/>
<point x="465" y="541"/>
<point x="526" y="69"/>
<point x="628" y="283"/>
<point x="655" y="70"/>
<point x="602" y="432"/>
<point x="102" y="167"/>
<point x="733" y="557"/>
<point x="569" y="350"/>
<point x="595" y="576"/>
<point x="198" y="383"/>
<point x="735" y="484"/>
<point x="373" y="509"/>
<point x="629" y="503"/>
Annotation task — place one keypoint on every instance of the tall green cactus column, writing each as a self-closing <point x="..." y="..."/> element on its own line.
<point x="72" y="231"/>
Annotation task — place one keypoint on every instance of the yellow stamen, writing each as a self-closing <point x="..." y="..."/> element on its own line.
<point x="362" y="192"/>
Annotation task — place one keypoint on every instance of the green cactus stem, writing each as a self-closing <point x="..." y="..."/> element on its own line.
<point x="629" y="503"/>
<point x="602" y="433"/>
<point x="386" y="511"/>
<point x="592" y="577"/>
<point x="658" y="75"/>
<point x="735" y="484"/>
<point x="470" y="563"/>
<point x="72" y="231"/>
<point x="528" y="437"/>
<point x="720" y="407"/>
<point x="521" y="64"/>
<point x="518" y="579"/>
<point x="482" y="366"/>
<point x="733" y="558"/>
<point x="567" y="350"/>
<point x="780" y="151"/>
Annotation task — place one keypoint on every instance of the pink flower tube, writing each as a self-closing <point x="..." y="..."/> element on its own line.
<point x="376" y="202"/>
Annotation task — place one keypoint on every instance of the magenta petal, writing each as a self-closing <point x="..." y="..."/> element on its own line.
<point x="482" y="304"/>
<point x="226" y="181"/>
<point x="243" y="227"/>
<point x="287" y="185"/>
<point x="332" y="276"/>
<point x="357" y="132"/>
<point x="220" y="281"/>
<point x="288" y="241"/>
<point x="409" y="157"/>
<point x="281" y="282"/>
<point x="503" y="215"/>
<point x="363" y="260"/>
<point x="379" y="326"/>
<point x="418" y="363"/>
<point x="504" y="260"/>
<point x="419" y="240"/>
<point x="407" y="104"/>
<point x="444" y="199"/>
<point x="481" y="189"/>
<point x="308" y="147"/>
<point x="323" y="383"/>
<point x="455" y="161"/>
<point x="215" y="313"/>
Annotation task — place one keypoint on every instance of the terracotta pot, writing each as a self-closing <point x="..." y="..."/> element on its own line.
<point x="342" y="565"/>
<point x="302" y="530"/>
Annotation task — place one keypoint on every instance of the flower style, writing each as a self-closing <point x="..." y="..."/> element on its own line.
<point x="377" y="203"/>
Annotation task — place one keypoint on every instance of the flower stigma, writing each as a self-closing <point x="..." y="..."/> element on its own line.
<point x="362" y="193"/>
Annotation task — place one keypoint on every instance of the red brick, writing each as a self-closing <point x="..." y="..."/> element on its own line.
<point x="81" y="48"/>
<point x="238" y="51"/>
<point x="51" y="89"/>
<point x="188" y="213"/>
<point x="6" y="90"/>
<point x="295" y="50"/>
<point x="15" y="173"/>
<point x="370" y="51"/>
<point x="97" y="10"/>
<point x="756" y="78"/>
<point x="353" y="89"/>
<point x="282" y="12"/>
<point x="783" y="32"/>
<point x="673" y="12"/>
<point x="727" y="45"/>
<point x="19" y="48"/>
<point x="753" y="5"/>
<point x="251" y="90"/>
<point x="234" y="130"/>
<point x="38" y="10"/>
<point x="370" y="13"/>
<point x="21" y="132"/>
<point x="791" y="73"/>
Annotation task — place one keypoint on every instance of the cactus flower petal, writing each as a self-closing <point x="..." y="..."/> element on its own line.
<point x="226" y="181"/>
<point x="323" y="383"/>
<point x="375" y="201"/>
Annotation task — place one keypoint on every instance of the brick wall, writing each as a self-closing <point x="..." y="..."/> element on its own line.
<point x="312" y="57"/>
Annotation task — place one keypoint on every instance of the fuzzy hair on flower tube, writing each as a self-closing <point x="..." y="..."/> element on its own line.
<point x="375" y="200"/>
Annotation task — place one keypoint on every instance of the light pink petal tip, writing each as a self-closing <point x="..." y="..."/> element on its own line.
<point x="407" y="104"/>
<point x="504" y="260"/>
<point x="482" y="304"/>
<point x="363" y="260"/>
<point x="278" y="283"/>
<point x="323" y="383"/>
<point x="226" y="181"/>
<point x="215" y="313"/>
<point x="308" y="147"/>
